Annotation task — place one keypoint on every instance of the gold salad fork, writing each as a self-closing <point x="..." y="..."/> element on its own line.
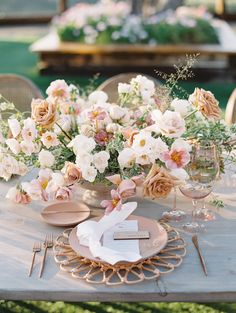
<point x="36" y="248"/>
<point x="48" y="243"/>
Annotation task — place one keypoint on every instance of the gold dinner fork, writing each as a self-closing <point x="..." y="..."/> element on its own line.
<point x="36" y="248"/>
<point x="48" y="243"/>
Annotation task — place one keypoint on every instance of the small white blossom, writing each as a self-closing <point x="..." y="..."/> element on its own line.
<point x="46" y="159"/>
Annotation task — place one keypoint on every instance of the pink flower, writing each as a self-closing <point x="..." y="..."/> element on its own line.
<point x="35" y="190"/>
<point x="178" y="156"/>
<point x="58" y="89"/>
<point x="114" y="179"/>
<point x="115" y="203"/>
<point x="29" y="131"/>
<point x="63" y="193"/>
<point x="97" y="114"/>
<point x="102" y="137"/>
<point x="49" y="139"/>
<point x="139" y="179"/>
<point x="127" y="188"/>
<point x="69" y="107"/>
<point x="18" y="196"/>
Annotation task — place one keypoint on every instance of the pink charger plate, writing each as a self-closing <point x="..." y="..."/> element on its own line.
<point x="148" y="247"/>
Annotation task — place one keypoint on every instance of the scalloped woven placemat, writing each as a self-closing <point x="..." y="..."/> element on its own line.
<point x="93" y="272"/>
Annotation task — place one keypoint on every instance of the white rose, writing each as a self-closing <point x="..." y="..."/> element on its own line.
<point x="22" y="169"/>
<point x="65" y="122"/>
<point x="87" y="130"/>
<point x="126" y="158"/>
<point x="116" y="112"/>
<point x="12" y="193"/>
<point x="100" y="160"/>
<point x="82" y="143"/>
<point x="14" y="127"/>
<point x="170" y="124"/>
<point x="27" y="147"/>
<point x="124" y="88"/>
<point x="112" y="128"/>
<point x="89" y="173"/>
<point x="181" y="106"/>
<point x="14" y="145"/>
<point x="46" y="159"/>
<point x="98" y="97"/>
<point x="2" y="139"/>
<point x="83" y="160"/>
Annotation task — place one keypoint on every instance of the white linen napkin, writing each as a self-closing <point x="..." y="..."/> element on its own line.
<point x="90" y="233"/>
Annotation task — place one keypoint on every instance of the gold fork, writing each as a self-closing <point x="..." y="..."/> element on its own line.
<point x="36" y="248"/>
<point x="48" y="243"/>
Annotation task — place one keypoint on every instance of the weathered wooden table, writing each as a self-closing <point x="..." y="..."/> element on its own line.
<point x="58" y="56"/>
<point x="21" y="225"/>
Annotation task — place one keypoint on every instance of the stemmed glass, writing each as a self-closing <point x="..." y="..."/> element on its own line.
<point x="202" y="169"/>
<point x="175" y="214"/>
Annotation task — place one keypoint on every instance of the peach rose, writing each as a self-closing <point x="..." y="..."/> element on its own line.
<point x="72" y="173"/>
<point x="63" y="193"/>
<point x="43" y="112"/>
<point x="206" y="103"/>
<point x="158" y="183"/>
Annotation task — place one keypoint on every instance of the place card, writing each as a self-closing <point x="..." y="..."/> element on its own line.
<point x="122" y="245"/>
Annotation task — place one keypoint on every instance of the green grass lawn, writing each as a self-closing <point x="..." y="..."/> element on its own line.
<point x="94" y="307"/>
<point x="16" y="58"/>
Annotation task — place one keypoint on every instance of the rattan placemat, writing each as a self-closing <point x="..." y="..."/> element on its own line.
<point x="162" y="263"/>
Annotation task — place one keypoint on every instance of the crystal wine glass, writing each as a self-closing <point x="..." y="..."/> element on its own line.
<point x="202" y="169"/>
<point x="175" y="214"/>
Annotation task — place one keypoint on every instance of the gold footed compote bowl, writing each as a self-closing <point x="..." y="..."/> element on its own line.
<point x="203" y="170"/>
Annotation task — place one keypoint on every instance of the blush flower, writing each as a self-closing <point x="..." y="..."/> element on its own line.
<point x="49" y="139"/>
<point x="14" y="145"/>
<point x="14" y="126"/>
<point x="97" y="114"/>
<point x="18" y="196"/>
<point x="58" y="89"/>
<point x="29" y="131"/>
<point x="114" y="203"/>
<point x="169" y="123"/>
<point x="63" y="193"/>
<point x="178" y="156"/>
<point x="127" y="188"/>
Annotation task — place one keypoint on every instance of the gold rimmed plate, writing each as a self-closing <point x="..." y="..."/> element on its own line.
<point x="65" y="213"/>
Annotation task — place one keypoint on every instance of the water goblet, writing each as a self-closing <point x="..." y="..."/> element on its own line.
<point x="202" y="169"/>
<point x="175" y="214"/>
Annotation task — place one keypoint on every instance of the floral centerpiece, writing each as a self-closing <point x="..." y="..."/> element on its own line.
<point x="109" y="22"/>
<point x="142" y="141"/>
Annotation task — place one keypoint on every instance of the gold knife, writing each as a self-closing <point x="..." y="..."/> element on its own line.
<point x="195" y="242"/>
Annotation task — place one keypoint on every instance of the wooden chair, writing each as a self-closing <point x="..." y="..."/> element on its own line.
<point x="19" y="90"/>
<point x="230" y="112"/>
<point x="110" y="86"/>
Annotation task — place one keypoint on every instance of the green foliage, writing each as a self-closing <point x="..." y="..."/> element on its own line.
<point x="161" y="33"/>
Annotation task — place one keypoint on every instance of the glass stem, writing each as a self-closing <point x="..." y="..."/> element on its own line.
<point x="175" y="200"/>
<point x="194" y="209"/>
